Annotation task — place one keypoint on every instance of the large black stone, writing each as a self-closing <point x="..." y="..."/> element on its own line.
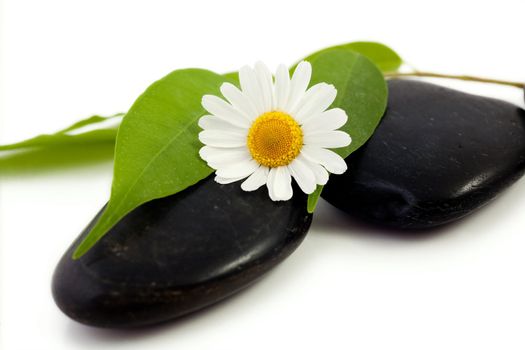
<point x="437" y="155"/>
<point x="178" y="254"/>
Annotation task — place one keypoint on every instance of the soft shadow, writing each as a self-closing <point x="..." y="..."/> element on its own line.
<point x="80" y="333"/>
<point x="328" y="220"/>
<point x="331" y="219"/>
<point x="53" y="159"/>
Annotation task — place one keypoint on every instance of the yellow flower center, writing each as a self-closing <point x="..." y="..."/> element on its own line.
<point x="275" y="139"/>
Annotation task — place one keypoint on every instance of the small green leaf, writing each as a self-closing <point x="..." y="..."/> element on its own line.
<point x="157" y="146"/>
<point x="32" y="162"/>
<point x="313" y="198"/>
<point x="386" y="59"/>
<point x="72" y="135"/>
<point x="361" y="92"/>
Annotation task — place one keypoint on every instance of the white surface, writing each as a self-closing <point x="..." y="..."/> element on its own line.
<point x="347" y="286"/>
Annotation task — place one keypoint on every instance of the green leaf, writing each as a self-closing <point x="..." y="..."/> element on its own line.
<point x="386" y="59"/>
<point x="383" y="56"/>
<point x="157" y="146"/>
<point x="233" y="77"/>
<point x="89" y="121"/>
<point x="72" y="135"/>
<point x="361" y="92"/>
<point x="313" y="198"/>
<point x="32" y="162"/>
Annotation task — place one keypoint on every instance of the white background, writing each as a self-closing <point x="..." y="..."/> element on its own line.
<point x="348" y="285"/>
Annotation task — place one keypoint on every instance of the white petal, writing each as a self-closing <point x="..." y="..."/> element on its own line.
<point x="241" y="169"/>
<point x="250" y="87"/>
<point x="331" y="119"/>
<point x="211" y="122"/>
<point x="222" y="109"/>
<point x="222" y="138"/>
<point x="240" y="101"/>
<point x="256" y="180"/>
<point x="282" y="184"/>
<point x="316" y="102"/>
<point x="328" y="139"/>
<point x="282" y="87"/>
<point x="211" y="153"/>
<point x="307" y="97"/>
<point x="227" y="180"/>
<point x="223" y="157"/>
<point x="298" y="84"/>
<point x="264" y="78"/>
<point x="330" y="160"/>
<point x="303" y="175"/>
<point x="321" y="175"/>
<point x="270" y="183"/>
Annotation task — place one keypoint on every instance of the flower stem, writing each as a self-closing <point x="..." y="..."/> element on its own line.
<point x="458" y="77"/>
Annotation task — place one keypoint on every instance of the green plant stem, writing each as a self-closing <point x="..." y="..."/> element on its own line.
<point x="519" y="85"/>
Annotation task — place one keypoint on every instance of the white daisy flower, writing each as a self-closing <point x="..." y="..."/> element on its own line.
<point x="269" y="132"/>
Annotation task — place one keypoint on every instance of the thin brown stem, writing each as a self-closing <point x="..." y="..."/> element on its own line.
<point x="458" y="77"/>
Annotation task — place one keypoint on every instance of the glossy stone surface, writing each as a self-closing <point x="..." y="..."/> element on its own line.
<point x="437" y="155"/>
<point x="179" y="254"/>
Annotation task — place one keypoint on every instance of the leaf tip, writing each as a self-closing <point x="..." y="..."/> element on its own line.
<point x="76" y="255"/>
<point x="313" y="198"/>
<point x="79" y="251"/>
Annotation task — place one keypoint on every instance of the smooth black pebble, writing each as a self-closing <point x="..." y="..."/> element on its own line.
<point x="437" y="155"/>
<point x="175" y="255"/>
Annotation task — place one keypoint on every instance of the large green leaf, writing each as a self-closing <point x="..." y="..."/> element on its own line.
<point x="72" y="135"/>
<point x="383" y="56"/>
<point x="361" y="92"/>
<point x="386" y="59"/>
<point x="157" y="146"/>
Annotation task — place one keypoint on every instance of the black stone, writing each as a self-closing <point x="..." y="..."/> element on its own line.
<point x="178" y="254"/>
<point x="437" y="155"/>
